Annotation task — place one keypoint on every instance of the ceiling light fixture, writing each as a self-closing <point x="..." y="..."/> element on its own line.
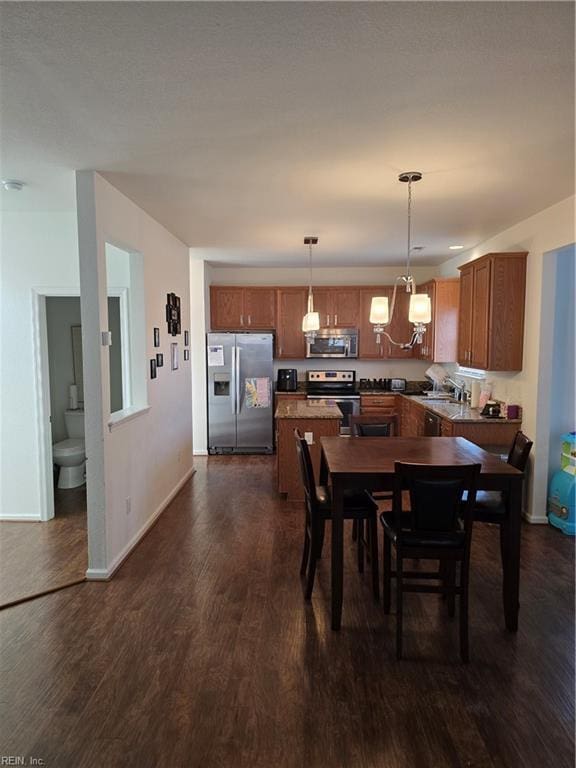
<point x="12" y="185"/>
<point x="420" y="309"/>
<point x="311" y="320"/>
<point x="455" y="247"/>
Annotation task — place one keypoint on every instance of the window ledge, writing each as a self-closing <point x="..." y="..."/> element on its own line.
<point x="127" y="414"/>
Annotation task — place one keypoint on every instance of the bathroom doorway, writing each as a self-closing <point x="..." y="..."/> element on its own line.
<point x="38" y="557"/>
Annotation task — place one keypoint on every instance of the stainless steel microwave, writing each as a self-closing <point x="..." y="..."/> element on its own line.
<point x="333" y="342"/>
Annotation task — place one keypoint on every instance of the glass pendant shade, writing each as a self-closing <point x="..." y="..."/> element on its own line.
<point x="420" y="310"/>
<point x="379" y="310"/>
<point x="311" y="322"/>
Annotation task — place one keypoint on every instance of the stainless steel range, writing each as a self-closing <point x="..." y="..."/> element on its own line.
<point x="337" y="387"/>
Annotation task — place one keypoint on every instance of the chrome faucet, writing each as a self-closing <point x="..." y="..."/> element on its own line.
<point x="459" y="390"/>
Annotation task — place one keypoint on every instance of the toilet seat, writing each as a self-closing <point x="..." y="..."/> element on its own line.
<point x="69" y="447"/>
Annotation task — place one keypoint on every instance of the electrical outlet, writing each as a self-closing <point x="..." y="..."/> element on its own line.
<point x="128" y="505"/>
<point x="309" y="437"/>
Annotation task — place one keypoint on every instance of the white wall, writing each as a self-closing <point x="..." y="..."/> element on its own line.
<point x="136" y="466"/>
<point x="62" y="312"/>
<point x="320" y="275"/>
<point x="39" y="252"/>
<point x="547" y="230"/>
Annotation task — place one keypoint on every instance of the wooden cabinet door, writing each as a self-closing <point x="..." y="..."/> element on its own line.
<point x="445" y="320"/>
<point x="480" y="316"/>
<point x="260" y="308"/>
<point x="368" y="348"/>
<point x="322" y="305"/>
<point x="226" y="308"/>
<point x="465" y="315"/>
<point x="345" y="308"/>
<point x="290" y="341"/>
<point x="400" y="328"/>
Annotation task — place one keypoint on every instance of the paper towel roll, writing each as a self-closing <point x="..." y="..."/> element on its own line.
<point x="73" y="397"/>
<point x="474" y="394"/>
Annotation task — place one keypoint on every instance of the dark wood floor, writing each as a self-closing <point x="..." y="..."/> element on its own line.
<point x="201" y="652"/>
<point x="36" y="557"/>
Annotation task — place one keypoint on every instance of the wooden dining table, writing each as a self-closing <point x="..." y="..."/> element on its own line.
<point x="356" y="463"/>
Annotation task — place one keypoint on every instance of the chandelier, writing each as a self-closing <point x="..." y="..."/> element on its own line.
<point x="420" y="311"/>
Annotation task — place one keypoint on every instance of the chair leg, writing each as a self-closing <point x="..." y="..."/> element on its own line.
<point x="373" y="527"/>
<point x="305" y="550"/>
<point x="354" y="530"/>
<point x="464" y="641"/>
<point x="360" y="546"/>
<point x="451" y="582"/>
<point x="399" y="606"/>
<point x="314" y="549"/>
<point x="321" y="530"/>
<point x="386" y="572"/>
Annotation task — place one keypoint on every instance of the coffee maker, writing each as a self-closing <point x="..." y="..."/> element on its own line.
<point x="287" y="380"/>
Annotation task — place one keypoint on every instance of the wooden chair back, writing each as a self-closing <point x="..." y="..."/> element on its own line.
<point x="373" y="425"/>
<point x="437" y="498"/>
<point x="519" y="451"/>
<point x="306" y="468"/>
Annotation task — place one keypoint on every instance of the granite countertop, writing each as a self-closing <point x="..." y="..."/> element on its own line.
<point x="458" y="412"/>
<point x="305" y="409"/>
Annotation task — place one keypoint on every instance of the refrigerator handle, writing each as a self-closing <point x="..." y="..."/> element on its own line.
<point x="233" y="382"/>
<point x="237" y="379"/>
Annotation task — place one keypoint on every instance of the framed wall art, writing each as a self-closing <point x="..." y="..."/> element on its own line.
<point x="156" y="337"/>
<point x="159" y="360"/>
<point x="153" y="368"/>
<point x="186" y="354"/>
<point x="173" y="313"/>
<point x="174" y="356"/>
<point x="186" y="339"/>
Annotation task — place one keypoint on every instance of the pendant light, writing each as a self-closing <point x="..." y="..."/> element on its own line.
<point x="420" y="309"/>
<point x="311" y="320"/>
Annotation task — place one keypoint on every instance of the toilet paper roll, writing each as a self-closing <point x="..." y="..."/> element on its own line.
<point x="73" y="397"/>
<point x="474" y="394"/>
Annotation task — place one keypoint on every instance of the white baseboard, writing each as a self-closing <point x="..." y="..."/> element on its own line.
<point x="16" y="519"/>
<point x="200" y="452"/>
<point x="536" y="519"/>
<point x="104" y="574"/>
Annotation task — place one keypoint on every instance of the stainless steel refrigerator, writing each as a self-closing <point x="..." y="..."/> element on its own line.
<point x="240" y="396"/>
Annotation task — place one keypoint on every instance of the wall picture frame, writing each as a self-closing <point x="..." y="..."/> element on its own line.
<point x="153" y="368"/>
<point x="156" y="337"/>
<point x="159" y="360"/>
<point x="186" y="354"/>
<point x="186" y="339"/>
<point x="173" y="314"/>
<point x="174" y="356"/>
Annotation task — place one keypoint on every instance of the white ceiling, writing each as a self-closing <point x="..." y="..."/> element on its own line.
<point x="244" y="126"/>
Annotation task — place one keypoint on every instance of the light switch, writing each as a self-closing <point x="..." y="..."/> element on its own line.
<point x="106" y="338"/>
<point x="309" y="437"/>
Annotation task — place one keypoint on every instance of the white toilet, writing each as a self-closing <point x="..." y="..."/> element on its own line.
<point x="70" y="454"/>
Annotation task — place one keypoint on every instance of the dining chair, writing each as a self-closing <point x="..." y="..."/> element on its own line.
<point x="373" y="425"/>
<point x="437" y="526"/>
<point x="318" y="502"/>
<point x="491" y="506"/>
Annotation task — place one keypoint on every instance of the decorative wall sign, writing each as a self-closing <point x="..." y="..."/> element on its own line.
<point x="156" y="337"/>
<point x="186" y="339"/>
<point x="174" y="356"/>
<point x="173" y="313"/>
<point x="186" y="354"/>
<point x="153" y="368"/>
<point x="159" y="360"/>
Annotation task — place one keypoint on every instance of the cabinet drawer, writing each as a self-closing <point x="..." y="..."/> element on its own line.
<point x="380" y="401"/>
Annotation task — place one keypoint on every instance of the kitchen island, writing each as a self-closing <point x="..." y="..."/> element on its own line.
<point x="315" y="419"/>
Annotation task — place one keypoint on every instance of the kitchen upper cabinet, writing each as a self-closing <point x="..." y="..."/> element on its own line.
<point x="240" y="308"/>
<point x="290" y="340"/>
<point x="337" y="307"/>
<point x="440" y="342"/>
<point x="491" y="324"/>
